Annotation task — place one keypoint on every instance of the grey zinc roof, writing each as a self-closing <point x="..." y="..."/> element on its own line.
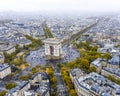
<point x="3" y="66"/>
<point x="97" y="62"/>
<point x="113" y="71"/>
<point x="20" y="86"/>
<point x="1" y="56"/>
<point x="106" y="94"/>
<point x="114" y="60"/>
<point x="100" y="85"/>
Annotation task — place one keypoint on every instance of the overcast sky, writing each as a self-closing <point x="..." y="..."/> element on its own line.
<point x="64" y="5"/>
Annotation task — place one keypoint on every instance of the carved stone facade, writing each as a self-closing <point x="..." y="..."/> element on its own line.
<point x="53" y="49"/>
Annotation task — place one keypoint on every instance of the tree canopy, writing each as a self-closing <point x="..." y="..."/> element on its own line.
<point x="10" y="85"/>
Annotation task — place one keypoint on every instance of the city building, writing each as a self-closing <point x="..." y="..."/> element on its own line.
<point x="114" y="62"/>
<point x="23" y="42"/>
<point x="19" y="90"/>
<point x="94" y="84"/>
<point x="8" y="48"/>
<point x="19" y="38"/>
<point x="5" y="70"/>
<point x="39" y="85"/>
<point x="99" y="63"/>
<point x="108" y="46"/>
<point x="76" y="73"/>
<point x="2" y="58"/>
<point x="102" y="50"/>
<point x="39" y="77"/>
<point x="111" y="72"/>
<point x="53" y="48"/>
<point x="30" y="93"/>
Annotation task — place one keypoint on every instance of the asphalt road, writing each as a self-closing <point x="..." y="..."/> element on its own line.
<point x="38" y="57"/>
<point x="61" y="89"/>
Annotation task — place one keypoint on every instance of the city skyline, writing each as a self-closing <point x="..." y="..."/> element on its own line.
<point x="59" y="48"/>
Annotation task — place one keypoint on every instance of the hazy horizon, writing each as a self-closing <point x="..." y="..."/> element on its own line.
<point x="60" y="5"/>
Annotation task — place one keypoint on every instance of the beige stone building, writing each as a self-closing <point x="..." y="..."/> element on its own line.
<point x="2" y="58"/>
<point x="19" y="90"/>
<point x="5" y="70"/>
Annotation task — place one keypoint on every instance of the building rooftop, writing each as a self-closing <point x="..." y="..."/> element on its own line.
<point x="1" y="56"/>
<point x="113" y="71"/>
<point x="97" y="62"/>
<point x="19" y="87"/>
<point x="43" y="75"/>
<point x="114" y="60"/>
<point x="52" y="40"/>
<point x="98" y="85"/>
<point x="76" y="72"/>
<point x="6" y="47"/>
<point x="44" y="88"/>
<point x="3" y="66"/>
